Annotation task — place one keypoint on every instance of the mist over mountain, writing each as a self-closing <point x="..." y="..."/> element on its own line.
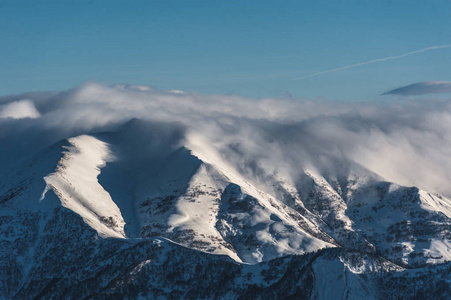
<point x="119" y="190"/>
<point x="406" y="142"/>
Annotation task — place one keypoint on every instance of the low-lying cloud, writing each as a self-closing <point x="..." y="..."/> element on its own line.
<point x="422" y="88"/>
<point x="408" y="143"/>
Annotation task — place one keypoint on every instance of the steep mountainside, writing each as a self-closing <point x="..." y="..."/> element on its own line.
<point x="147" y="214"/>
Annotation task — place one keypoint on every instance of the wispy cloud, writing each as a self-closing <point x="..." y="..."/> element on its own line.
<point x="373" y="61"/>
<point x="422" y="88"/>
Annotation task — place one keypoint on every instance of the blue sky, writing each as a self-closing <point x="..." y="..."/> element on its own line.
<point x="252" y="48"/>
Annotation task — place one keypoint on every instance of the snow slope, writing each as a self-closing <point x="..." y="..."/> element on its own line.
<point x="75" y="183"/>
<point x="148" y="180"/>
<point x="136" y="212"/>
<point x="190" y="201"/>
<point x="193" y="196"/>
<point x="185" y="199"/>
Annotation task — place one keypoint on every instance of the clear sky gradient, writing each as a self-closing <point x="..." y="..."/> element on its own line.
<point x="253" y="48"/>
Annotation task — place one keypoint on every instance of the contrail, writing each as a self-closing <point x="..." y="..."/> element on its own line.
<point x="373" y="61"/>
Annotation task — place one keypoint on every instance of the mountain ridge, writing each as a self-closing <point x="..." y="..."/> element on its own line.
<point x="185" y="195"/>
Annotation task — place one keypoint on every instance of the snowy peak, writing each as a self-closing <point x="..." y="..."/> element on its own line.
<point x="140" y="182"/>
<point x="75" y="183"/>
<point x="180" y="197"/>
<point x="196" y="212"/>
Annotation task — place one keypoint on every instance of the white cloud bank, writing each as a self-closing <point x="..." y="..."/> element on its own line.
<point x="408" y="143"/>
<point x="19" y="110"/>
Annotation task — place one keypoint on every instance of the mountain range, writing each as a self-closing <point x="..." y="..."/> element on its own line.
<point x="148" y="210"/>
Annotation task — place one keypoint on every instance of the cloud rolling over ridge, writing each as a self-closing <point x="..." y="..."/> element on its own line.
<point x="408" y="143"/>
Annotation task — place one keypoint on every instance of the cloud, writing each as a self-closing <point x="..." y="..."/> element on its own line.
<point x="19" y="110"/>
<point x="408" y="143"/>
<point x="422" y="88"/>
<point x="374" y="61"/>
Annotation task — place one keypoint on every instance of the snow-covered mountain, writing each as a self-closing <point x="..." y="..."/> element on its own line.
<point x="162" y="213"/>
